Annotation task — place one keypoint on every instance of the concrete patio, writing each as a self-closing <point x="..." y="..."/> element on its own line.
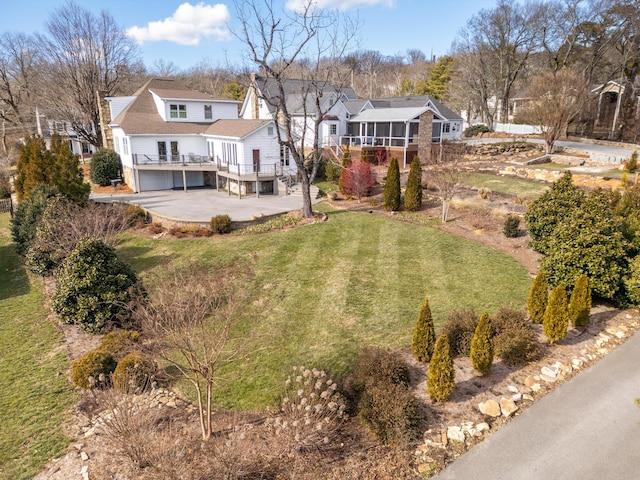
<point x="199" y="205"/>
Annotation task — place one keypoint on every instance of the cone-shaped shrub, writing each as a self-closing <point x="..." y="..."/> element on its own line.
<point x="392" y="187"/>
<point x="556" y="316"/>
<point x="538" y="298"/>
<point x="580" y="303"/>
<point x="424" y="336"/>
<point x="441" y="378"/>
<point x="482" y="345"/>
<point x="413" y="194"/>
<point x="346" y="163"/>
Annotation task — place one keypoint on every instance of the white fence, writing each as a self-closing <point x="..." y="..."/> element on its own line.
<point x="516" y="129"/>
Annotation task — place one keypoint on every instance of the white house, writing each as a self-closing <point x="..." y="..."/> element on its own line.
<point x="171" y="137"/>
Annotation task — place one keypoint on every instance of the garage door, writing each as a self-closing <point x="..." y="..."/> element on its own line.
<point x="194" y="179"/>
<point x="155" y="181"/>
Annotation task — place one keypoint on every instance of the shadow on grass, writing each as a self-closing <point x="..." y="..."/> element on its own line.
<point x="136" y="256"/>
<point x="13" y="276"/>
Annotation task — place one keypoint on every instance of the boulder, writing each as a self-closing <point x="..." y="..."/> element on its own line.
<point x="455" y="434"/>
<point x="508" y="407"/>
<point x="490" y="408"/>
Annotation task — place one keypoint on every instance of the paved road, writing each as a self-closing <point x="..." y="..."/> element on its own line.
<point x="600" y="153"/>
<point x="585" y="429"/>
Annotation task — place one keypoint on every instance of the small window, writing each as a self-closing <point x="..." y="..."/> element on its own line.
<point x="446" y="127"/>
<point x="334" y="129"/>
<point x="208" y="114"/>
<point x="177" y="111"/>
<point x="270" y="131"/>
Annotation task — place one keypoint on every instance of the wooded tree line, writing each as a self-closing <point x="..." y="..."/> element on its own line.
<point x="497" y="56"/>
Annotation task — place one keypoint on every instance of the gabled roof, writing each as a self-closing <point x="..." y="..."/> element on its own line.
<point x="397" y="114"/>
<point x="298" y="93"/>
<point x="141" y="115"/>
<point x="235" y="128"/>
<point x="355" y="106"/>
<point x="416" y="101"/>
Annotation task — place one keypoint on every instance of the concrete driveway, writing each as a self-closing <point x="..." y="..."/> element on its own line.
<point x="586" y="429"/>
<point x="199" y="205"/>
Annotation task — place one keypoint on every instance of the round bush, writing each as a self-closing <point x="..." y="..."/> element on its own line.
<point x="93" y="286"/>
<point x="514" y="342"/>
<point x="511" y="227"/>
<point x="476" y="129"/>
<point x="93" y="369"/>
<point x="221" y="224"/>
<point x="119" y="343"/>
<point x="135" y="215"/>
<point x="105" y="166"/>
<point x="460" y="327"/>
<point x="134" y="373"/>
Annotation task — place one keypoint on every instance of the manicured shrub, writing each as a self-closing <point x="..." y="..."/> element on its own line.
<point x="221" y="224"/>
<point x="27" y="216"/>
<point x="93" y="287"/>
<point x="538" y="298"/>
<point x="514" y="341"/>
<point x="511" y="228"/>
<point x="134" y="373"/>
<point x="424" y="335"/>
<point x="482" y="345"/>
<point x="379" y="387"/>
<point x="346" y="163"/>
<point x="441" y="377"/>
<point x="105" y="166"/>
<point x="331" y="170"/>
<point x="120" y="343"/>
<point x="556" y="316"/>
<point x="93" y="370"/>
<point x="392" y="187"/>
<point x="476" y="129"/>
<point x="413" y="193"/>
<point x="460" y="327"/>
<point x="632" y="164"/>
<point x="580" y="302"/>
<point x="135" y="215"/>
<point x="358" y="180"/>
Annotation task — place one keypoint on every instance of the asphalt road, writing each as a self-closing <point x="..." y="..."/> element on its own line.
<point x="585" y="429"/>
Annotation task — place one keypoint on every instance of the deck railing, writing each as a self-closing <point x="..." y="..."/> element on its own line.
<point x="239" y="169"/>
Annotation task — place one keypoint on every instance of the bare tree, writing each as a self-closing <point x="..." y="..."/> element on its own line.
<point x="558" y="97"/>
<point x="276" y="42"/>
<point x="444" y="172"/>
<point x="86" y="56"/>
<point x="193" y="315"/>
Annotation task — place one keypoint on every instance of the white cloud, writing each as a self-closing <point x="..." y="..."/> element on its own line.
<point x="298" y="5"/>
<point x="187" y="26"/>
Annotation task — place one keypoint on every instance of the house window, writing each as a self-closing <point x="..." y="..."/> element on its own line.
<point x="229" y="153"/>
<point x="270" y="131"/>
<point x="125" y="145"/>
<point x="162" y="150"/>
<point x="446" y="127"/>
<point x="334" y="129"/>
<point x="208" y="114"/>
<point x="177" y="111"/>
<point x="116" y="144"/>
<point x="284" y="156"/>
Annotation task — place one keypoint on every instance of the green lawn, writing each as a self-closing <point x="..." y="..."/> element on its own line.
<point x="323" y="291"/>
<point x="508" y="185"/>
<point x="35" y="391"/>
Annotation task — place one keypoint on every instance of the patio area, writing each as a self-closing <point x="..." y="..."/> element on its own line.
<point x="199" y="205"/>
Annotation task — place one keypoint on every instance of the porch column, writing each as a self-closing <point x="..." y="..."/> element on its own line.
<point x="184" y="180"/>
<point x="137" y="177"/>
<point x="217" y="182"/>
<point x="257" y="185"/>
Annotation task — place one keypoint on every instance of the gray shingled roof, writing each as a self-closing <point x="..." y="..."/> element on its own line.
<point x="235" y="128"/>
<point x="398" y="114"/>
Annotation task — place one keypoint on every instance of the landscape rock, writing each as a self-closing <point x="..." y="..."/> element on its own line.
<point x="513" y="389"/>
<point x="536" y="387"/>
<point x="526" y="396"/>
<point x="83" y="456"/>
<point x="508" y="407"/>
<point x="548" y="378"/>
<point x="516" y="397"/>
<point x="529" y="381"/>
<point x="490" y="408"/>
<point x="455" y="434"/>
<point x="482" y="427"/>
<point x="549" y="372"/>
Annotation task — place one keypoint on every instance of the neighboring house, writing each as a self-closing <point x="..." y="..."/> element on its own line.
<point x="608" y="112"/>
<point x="171" y="137"/>
<point x="388" y="126"/>
<point x="47" y="127"/>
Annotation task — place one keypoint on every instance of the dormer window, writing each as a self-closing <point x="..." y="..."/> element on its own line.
<point x="177" y="111"/>
<point x="208" y="114"/>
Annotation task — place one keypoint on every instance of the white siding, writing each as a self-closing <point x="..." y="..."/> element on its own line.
<point x="118" y="104"/>
<point x="118" y="135"/>
<point x="148" y="144"/>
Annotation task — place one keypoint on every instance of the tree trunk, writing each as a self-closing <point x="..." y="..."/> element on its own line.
<point x="307" y="210"/>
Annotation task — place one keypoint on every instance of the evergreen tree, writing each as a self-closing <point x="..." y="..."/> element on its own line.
<point x="441" y="377"/>
<point x="68" y="177"/>
<point x="556" y="316"/>
<point x="346" y="163"/>
<point x="482" y="345"/>
<point x="413" y="194"/>
<point x="580" y="303"/>
<point x="424" y="335"/>
<point x="392" y="187"/>
<point x="538" y="298"/>
<point x="35" y="166"/>
<point x="439" y="79"/>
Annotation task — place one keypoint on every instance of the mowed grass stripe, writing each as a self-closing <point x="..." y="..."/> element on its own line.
<point x="323" y="291"/>
<point x="36" y="394"/>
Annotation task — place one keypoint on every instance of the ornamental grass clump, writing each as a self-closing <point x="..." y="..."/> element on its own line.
<point x="311" y="411"/>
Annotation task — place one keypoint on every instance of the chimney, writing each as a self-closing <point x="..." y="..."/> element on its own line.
<point x="104" y="113"/>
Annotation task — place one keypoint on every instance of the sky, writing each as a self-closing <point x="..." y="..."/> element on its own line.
<point x="189" y="33"/>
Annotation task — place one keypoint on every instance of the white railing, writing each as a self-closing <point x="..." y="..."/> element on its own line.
<point x="359" y="141"/>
